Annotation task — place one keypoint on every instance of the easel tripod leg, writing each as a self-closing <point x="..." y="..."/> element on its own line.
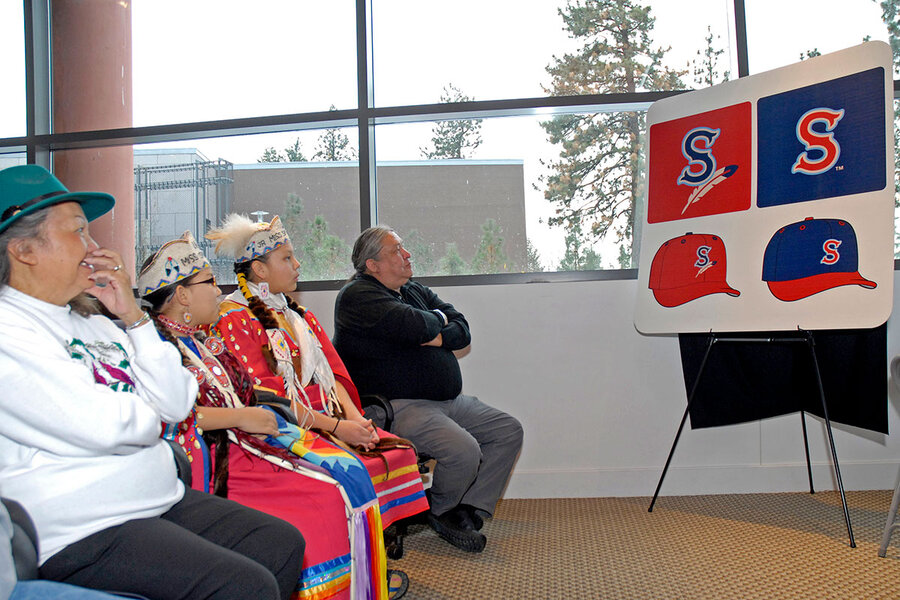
<point x="806" y="448"/>
<point x="837" y="467"/>
<point x="709" y="345"/>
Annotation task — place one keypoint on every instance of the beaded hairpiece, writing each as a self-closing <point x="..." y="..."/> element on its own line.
<point x="241" y="239"/>
<point x="175" y="261"/>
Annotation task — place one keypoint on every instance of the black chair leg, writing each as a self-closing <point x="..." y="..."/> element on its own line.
<point x="393" y="540"/>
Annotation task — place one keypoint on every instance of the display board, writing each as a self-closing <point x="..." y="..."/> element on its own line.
<point x="770" y="201"/>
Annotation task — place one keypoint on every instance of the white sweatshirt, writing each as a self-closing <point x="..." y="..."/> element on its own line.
<point x="80" y="408"/>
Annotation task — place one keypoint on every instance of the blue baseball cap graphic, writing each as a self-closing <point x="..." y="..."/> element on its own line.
<point x="811" y="256"/>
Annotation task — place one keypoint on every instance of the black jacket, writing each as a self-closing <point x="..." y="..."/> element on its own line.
<point x="379" y="335"/>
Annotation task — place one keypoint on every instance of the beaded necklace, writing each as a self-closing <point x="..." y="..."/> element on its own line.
<point x="176" y="326"/>
<point x="206" y="367"/>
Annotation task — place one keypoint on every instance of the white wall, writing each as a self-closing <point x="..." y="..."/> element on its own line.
<point x="600" y="402"/>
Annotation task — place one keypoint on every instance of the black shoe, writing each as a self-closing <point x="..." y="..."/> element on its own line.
<point x="472" y="512"/>
<point x="456" y="527"/>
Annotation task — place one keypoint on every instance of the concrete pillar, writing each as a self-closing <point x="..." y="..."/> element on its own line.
<point x="91" y="66"/>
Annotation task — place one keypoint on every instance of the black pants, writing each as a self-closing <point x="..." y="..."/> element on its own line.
<point x="204" y="547"/>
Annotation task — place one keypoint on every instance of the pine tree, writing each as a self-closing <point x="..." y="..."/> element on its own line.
<point x="598" y="173"/>
<point x="450" y="139"/>
<point x="325" y="256"/>
<point x="452" y="263"/>
<point x="333" y="146"/>
<point x="422" y="253"/>
<point x="810" y="54"/>
<point x="490" y="257"/>
<point x="294" y="153"/>
<point x="532" y="258"/>
<point x="624" y="257"/>
<point x="890" y="16"/>
<point x="270" y="155"/>
<point x="705" y="67"/>
<point x="293" y="217"/>
<point x="579" y="255"/>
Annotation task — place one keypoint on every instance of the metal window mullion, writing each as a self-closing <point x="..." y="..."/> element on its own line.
<point x="37" y="79"/>
<point x="740" y="36"/>
<point x="368" y="186"/>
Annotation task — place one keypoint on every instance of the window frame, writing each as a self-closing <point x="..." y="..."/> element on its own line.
<point x="39" y="141"/>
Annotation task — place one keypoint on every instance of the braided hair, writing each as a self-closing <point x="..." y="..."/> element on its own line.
<point x="263" y="313"/>
<point x="154" y="303"/>
<point x="265" y="317"/>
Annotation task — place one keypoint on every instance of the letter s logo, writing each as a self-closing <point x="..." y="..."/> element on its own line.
<point x="830" y="248"/>
<point x="696" y="146"/>
<point x="702" y="256"/>
<point x="823" y="145"/>
<point x="703" y="260"/>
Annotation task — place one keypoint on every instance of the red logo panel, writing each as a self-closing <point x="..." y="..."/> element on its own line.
<point x="700" y="165"/>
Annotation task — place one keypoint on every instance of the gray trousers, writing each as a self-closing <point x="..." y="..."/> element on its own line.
<point x="474" y="445"/>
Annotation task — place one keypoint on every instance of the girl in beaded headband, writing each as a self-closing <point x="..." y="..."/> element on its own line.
<point x="315" y="492"/>
<point x="282" y="344"/>
<point x="288" y="353"/>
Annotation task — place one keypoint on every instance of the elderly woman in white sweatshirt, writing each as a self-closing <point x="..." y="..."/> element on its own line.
<point x="80" y="413"/>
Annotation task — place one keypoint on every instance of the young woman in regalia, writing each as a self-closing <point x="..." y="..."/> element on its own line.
<point x="260" y="459"/>
<point x="287" y="353"/>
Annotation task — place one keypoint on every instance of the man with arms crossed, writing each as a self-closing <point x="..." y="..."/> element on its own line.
<point x="397" y="338"/>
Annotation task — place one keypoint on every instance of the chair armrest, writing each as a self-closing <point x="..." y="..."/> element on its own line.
<point x="24" y="541"/>
<point x="381" y="403"/>
<point x="280" y="405"/>
<point x="182" y="464"/>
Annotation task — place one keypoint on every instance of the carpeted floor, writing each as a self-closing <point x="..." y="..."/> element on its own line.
<point x="744" y="546"/>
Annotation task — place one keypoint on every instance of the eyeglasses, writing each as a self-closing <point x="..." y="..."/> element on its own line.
<point x="211" y="281"/>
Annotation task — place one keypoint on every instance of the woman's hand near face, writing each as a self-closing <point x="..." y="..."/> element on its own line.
<point x="112" y="285"/>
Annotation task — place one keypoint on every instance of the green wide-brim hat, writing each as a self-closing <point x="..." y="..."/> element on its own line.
<point x="27" y="188"/>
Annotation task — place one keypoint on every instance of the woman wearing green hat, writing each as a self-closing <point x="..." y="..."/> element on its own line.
<point x="80" y="420"/>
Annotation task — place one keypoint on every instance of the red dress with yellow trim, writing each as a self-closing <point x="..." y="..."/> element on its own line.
<point x="336" y="565"/>
<point x="399" y="486"/>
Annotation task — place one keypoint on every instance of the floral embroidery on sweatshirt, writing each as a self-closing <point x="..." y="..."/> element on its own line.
<point x="107" y="361"/>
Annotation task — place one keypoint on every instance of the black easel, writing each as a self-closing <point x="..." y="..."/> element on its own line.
<point x="808" y="339"/>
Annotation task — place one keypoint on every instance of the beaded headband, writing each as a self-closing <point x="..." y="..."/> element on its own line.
<point x="175" y="261"/>
<point x="243" y="240"/>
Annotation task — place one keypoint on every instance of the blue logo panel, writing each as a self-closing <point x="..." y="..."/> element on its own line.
<point x="822" y="141"/>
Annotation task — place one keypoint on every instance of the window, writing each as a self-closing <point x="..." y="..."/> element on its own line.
<point x="208" y="60"/>
<point x="805" y="28"/>
<point x="470" y="196"/>
<point x="483" y="143"/>
<point x="310" y="179"/>
<point x="12" y="70"/>
<point x="426" y="51"/>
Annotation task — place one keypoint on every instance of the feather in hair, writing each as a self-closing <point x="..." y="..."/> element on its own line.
<point x="234" y="234"/>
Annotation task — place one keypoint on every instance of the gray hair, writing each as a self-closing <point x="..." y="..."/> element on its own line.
<point x="26" y="227"/>
<point x="368" y="245"/>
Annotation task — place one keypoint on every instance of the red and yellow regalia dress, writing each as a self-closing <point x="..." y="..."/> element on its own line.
<point x="394" y="472"/>
<point x="336" y="509"/>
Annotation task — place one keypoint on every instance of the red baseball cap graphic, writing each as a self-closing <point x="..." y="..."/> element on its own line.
<point x="688" y="267"/>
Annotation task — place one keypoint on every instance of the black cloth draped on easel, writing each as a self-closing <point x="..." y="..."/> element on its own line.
<point x="751" y="381"/>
